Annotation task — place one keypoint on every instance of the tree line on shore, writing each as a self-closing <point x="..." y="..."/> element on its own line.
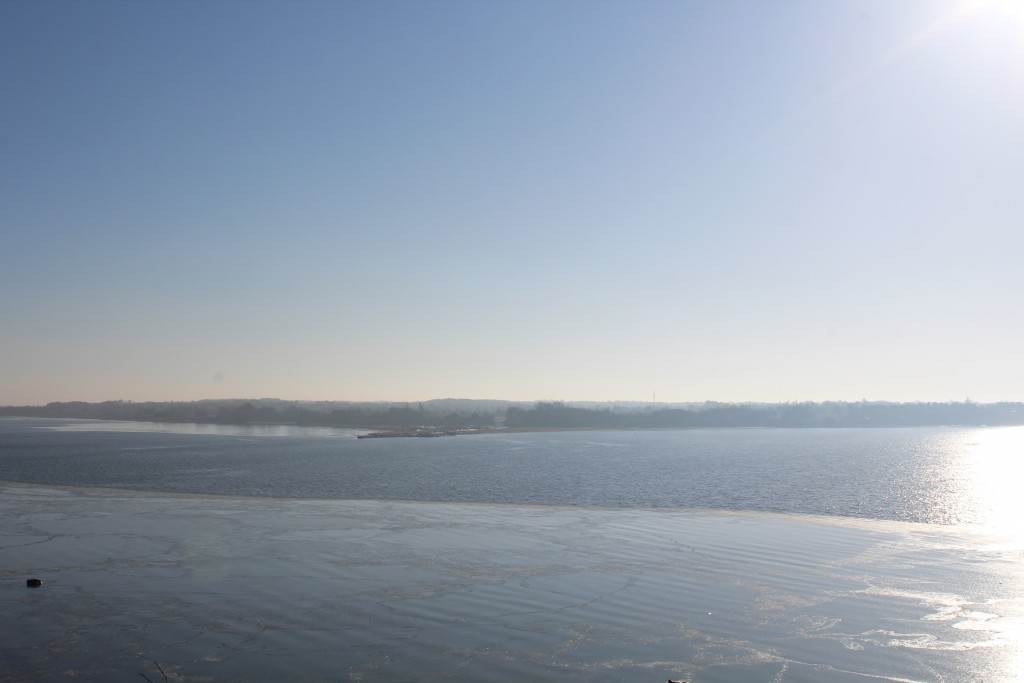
<point x="806" y="414"/>
<point x="466" y="413"/>
<point x="272" y="411"/>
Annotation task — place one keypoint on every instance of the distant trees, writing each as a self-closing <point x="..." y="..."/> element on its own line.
<point x="557" y="414"/>
<point x="807" y="414"/>
<point x="462" y="413"/>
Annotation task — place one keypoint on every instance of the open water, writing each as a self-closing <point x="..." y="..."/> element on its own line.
<point x="934" y="475"/>
<point x="278" y="553"/>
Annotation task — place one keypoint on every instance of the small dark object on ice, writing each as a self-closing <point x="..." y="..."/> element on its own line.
<point x="671" y="681"/>
<point x="34" y="583"/>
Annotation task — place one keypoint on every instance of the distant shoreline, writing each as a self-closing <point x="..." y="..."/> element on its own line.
<point x="448" y="417"/>
<point x="428" y="432"/>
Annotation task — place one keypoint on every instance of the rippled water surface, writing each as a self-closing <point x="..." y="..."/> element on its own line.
<point x="936" y="475"/>
<point x="581" y="556"/>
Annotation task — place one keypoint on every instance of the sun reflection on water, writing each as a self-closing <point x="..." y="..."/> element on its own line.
<point x="993" y="472"/>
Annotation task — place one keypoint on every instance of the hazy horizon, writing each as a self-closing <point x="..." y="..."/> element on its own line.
<point x="549" y="399"/>
<point x="602" y="201"/>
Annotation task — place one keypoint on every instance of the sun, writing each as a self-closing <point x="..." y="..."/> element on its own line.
<point x="990" y="18"/>
<point x="1011" y="11"/>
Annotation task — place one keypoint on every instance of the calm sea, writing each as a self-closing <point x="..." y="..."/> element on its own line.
<point x="934" y="475"/>
<point x="594" y="557"/>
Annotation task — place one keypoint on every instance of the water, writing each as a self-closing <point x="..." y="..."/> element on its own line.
<point x="713" y="556"/>
<point x="915" y="475"/>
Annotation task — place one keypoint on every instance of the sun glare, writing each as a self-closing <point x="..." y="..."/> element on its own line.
<point x="994" y="13"/>
<point x="998" y="10"/>
<point x="995" y="469"/>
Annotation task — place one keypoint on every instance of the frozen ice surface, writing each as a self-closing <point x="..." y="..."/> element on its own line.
<point x="244" y="589"/>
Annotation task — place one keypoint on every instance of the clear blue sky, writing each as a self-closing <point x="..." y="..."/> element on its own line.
<point x="587" y="200"/>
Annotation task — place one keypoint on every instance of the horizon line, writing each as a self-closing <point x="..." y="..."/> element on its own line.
<point x="966" y="401"/>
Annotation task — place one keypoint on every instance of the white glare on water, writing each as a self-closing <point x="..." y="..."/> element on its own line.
<point x="993" y="475"/>
<point x="994" y="471"/>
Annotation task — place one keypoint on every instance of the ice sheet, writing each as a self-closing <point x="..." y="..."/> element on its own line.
<point x="247" y="589"/>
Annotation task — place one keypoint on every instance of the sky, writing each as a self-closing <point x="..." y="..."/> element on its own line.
<point x="568" y="199"/>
